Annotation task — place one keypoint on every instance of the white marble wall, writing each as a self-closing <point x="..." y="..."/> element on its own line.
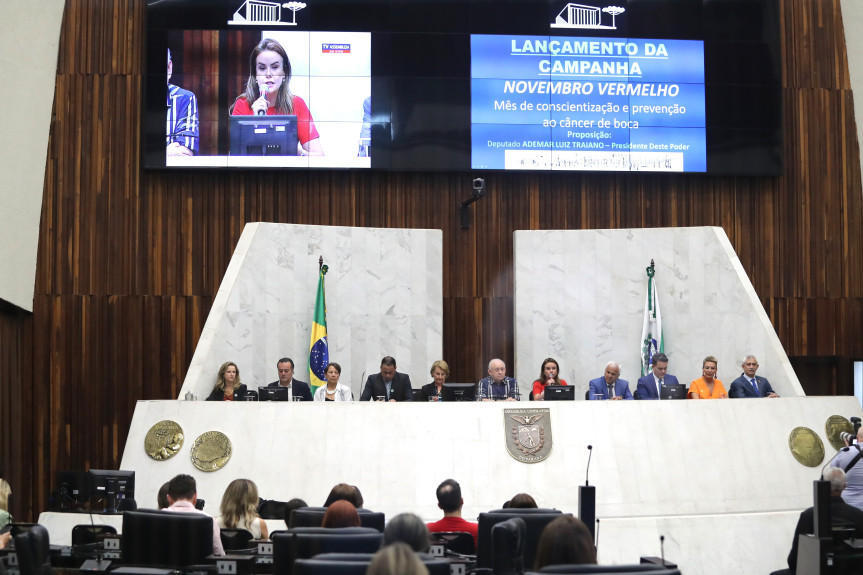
<point x="579" y="297"/>
<point x="709" y="475"/>
<point x="384" y="297"/>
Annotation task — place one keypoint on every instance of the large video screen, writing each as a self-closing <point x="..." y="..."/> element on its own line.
<point x="464" y="85"/>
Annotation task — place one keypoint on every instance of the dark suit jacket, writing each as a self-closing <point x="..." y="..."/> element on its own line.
<point x="840" y="512"/>
<point x="598" y="387"/>
<point x="401" y="387"/>
<point x="428" y="390"/>
<point x="298" y="387"/>
<point x="741" y="387"/>
<point x="646" y="388"/>
<point x="219" y="395"/>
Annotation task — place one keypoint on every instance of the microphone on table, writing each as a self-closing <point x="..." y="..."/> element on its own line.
<point x="587" y="471"/>
<point x="662" y="549"/>
<point x="596" y="541"/>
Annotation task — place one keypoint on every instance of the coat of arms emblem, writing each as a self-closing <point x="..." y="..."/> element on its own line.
<point x="528" y="434"/>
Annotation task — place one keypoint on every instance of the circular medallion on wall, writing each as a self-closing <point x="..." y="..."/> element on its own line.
<point x="211" y="451"/>
<point x="164" y="440"/>
<point x="806" y="446"/>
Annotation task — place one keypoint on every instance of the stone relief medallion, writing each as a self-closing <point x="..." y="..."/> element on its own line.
<point x="836" y="425"/>
<point x="528" y="434"/>
<point x="806" y="446"/>
<point x="211" y="451"/>
<point x="164" y="440"/>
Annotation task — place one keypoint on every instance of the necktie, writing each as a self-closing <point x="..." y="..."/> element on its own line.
<point x="660" y="388"/>
<point x="610" y="390"/>
<point x="754" y="386"/>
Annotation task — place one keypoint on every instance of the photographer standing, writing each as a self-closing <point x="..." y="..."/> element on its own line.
<point x="849" y="460"/>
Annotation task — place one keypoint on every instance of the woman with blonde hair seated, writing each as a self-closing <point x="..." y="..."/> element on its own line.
<point x="239" y="509"/>
<point x="396" y="559"/>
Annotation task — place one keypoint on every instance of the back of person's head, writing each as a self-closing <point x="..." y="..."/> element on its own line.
<point x="396" y="559"/>
<point x="162" y="496"/>
<point x="565" y="541"/>
<point x="290" y="506"/>
<point x="522" y="501"/>
<point x="5" y="492"/>
<point x="182" y="487"/>
<point x="341" y="514"/>
<point x="342" y="491"/>
<point x="837" y="480"/>
<point x="449" y="496"/>
<point x="408" y="528"/>
<point x="359" y="497"/>
<point x="240" y="502"/>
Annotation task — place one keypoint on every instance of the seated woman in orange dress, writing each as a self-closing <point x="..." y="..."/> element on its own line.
<point x="707" y="386"/>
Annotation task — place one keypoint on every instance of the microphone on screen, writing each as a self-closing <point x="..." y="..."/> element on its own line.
<point x="263" y="90"/>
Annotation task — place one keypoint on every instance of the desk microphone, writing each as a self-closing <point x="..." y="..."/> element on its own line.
<point x="662" y="549"/>
<point x="596" y="541"/>
<point x="587" y="471"/>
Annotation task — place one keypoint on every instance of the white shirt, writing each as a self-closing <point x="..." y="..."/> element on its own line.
<point x="343" y="393"/>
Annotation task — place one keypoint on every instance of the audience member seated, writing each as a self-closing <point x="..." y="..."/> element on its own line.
<point x="162" y="496"/>
<point x="749" y="384"/>
<point x="240" y="509"/>
<point x="359" y="496"/>
<point x="840" y="512"/>
<point x="707" y="386"/>
<point x="295" y="503"/>
<point x="5" y="492"/>
<point x="228" y="385"/>
<point x="182" y="496"/>
<point x="565" y="541"/>
<point x="346" y="492"/>
<point x="396" y="559"/>
<point x="450" y="501"/>
<point x="408" y="528"/>
<point x="609" y="386"/>
<point x="549" y="374"/>
<point x="341" y="513"/>
<point x="522" y="501"/>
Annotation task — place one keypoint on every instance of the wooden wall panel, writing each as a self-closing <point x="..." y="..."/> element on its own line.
<point x="129" y="261"/>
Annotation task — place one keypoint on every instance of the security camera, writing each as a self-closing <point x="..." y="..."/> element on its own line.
<point x="478" y="187"/>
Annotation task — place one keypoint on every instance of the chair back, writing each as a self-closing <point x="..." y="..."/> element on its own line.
<point x="85" y="534"/>
<point x="166" y="538"/>
<point x="459" y="542"/>
<point x="236" y="539"/>
<point x="373" y="519"/>
<point x="535" y="521"/>
<point x="507" y="547"/>
<point x="316" y="566"/>
<point x="33" y="549"/>
<point x="307" y="517"/>
<point x="307" y="542"/>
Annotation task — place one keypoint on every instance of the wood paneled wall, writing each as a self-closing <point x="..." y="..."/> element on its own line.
<point x="129" y="261"/>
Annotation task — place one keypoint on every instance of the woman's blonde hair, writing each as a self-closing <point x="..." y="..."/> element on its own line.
<point x="442" y="365"/>
<point x="396" y="559"/>
<point x="220" y="382"/>
<point x="5" y="492"/>
<point x="240" y="501"/>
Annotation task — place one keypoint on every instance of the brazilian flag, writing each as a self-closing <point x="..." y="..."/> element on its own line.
<point x="319" y="355"/>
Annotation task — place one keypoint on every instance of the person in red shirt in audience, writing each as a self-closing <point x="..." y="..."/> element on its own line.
<point x="450" y="501"/>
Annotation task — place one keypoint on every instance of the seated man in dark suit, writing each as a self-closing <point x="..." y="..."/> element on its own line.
<point x="297" y="390"/>
<point x="388" y="385"/>
<point x="749" y="384"/>
<point x="610" y="386"/>
<point x="840" y="512"/>
<point x="650" y="386"/>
